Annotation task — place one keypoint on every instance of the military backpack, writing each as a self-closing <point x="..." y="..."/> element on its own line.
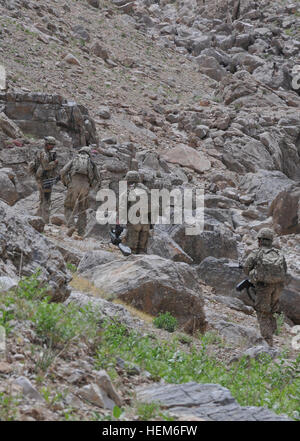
<point x="81" y="165"/>
<point x="270" y="267"/>
<point x="34" y="165"/>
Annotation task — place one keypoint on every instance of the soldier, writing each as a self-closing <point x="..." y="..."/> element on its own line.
<point x="45" y="167"/>
<point x="136" y="235"/>
<point x="267" y="270"/>
<point x="79" y="175"/>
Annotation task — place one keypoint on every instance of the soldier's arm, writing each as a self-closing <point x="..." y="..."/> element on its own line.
<point x="249" y="263"/>
<point x="65" y="170"/>
<point x="46" y="164"/>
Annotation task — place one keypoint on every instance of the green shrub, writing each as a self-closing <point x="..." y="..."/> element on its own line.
<point x="57" y="323"/>
<point x="32" y="288"/>
<point x="71" y="267"/>
<point x="165" y="321"/>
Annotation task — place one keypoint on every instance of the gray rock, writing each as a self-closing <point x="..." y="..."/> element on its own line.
<point x="7" y="283"/>
<point x="222" y="274"/>
<point x="200" y="44"/>
<point x="152" y="285"/>
<point x="94" y="3"/>
<point x="249" y="62"/>
<point x="209" y="402"/>
<point x="28" y="390"/>
<point x="162" y="245"/>
<point x="9" y="128"/>
<point x="209" y="66"/>
<point x="26" y="251"/>
<point x="39" y="113"/>
<point x="215" y="243"/>
<point x="290" y="300"/>
<point x="264" y="184"/>
<point x="103" y="308"/>
<point x="91" y="259"/>
<point x="92" y="393"/>
<point x="201" y="131"/>
<point x="104" y="382"/>
<point x="233" y="303"/>
<point x="257" y="351"/>
<point x="285" y="209"/>
<point x="104" y="112"/>
<point x="100" y="51"/>
<point x="8" y="191"/>
<point x="237" y="334"/>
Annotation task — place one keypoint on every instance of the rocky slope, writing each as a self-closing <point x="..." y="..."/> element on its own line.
<point x="194" y="95"/>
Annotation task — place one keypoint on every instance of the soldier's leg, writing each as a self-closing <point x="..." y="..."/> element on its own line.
<point x="83" y="204"/>
<point x="264" y="313"/>
<point x="41" y="197"/>
<point x="143" y="238"/>
<point x="46" y="207"/>
<point x="132" y="237"/>
<point x="81" y="221"/>
<point x="69" y="208"/>
<point x="276" y="293"/>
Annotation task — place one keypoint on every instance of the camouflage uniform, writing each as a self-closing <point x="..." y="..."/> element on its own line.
<point x="77" y="198"/>
<point x="267" y="294"/>
<point x="46" y="170"/>
<point x="136" y="235"/>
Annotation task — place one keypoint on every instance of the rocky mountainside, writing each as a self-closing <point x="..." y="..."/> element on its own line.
<point x="194" y="95"/>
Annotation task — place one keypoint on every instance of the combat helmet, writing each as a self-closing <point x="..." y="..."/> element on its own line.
<point x="50" y="140"/>
<point x="266" y="234"/>
<point x="85" y="150"/>
<point x="132" y="176"/>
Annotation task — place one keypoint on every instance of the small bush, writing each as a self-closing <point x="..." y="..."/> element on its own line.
<point x="32" y="288"/>
<point x="71" y="267"/>
<point x="59" y="324"/>
<point x="165" y="321"/>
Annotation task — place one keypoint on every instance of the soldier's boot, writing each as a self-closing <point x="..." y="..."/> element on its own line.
<point x="81" y="223"/>
<point x="69" y="217"/>
<point x="266" y="326"/>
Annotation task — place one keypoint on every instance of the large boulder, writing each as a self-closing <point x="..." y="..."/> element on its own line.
<point x="23" y="251"/>
<point x="8" y="190"/>
<point x="95" y="258"/>
<point x="9" y="128"/>
<point x="216" y="243"/>
<point x="161" y="244"/>
<point x="264" y="185"/>
<point x="290" y="300"/>
<point x="222" y="274"/>
<point x="39" y="113"/>
<point x="187" y="157"/>
<point x="153" y="285"/>
<point x="285" y="210"/>
<point x="208" y="402"/>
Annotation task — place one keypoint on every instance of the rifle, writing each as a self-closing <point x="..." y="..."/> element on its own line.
<point x="48" y="183"/>
<point x="116" y="240"/>
<point x="246" y="284"/>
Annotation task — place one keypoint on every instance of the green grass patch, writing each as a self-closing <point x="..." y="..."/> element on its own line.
<point x="262" y="382"/>
<point x="165" y="321"/>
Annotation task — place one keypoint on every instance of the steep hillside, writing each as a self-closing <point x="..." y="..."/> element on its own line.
<point x="193" y="94"/>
